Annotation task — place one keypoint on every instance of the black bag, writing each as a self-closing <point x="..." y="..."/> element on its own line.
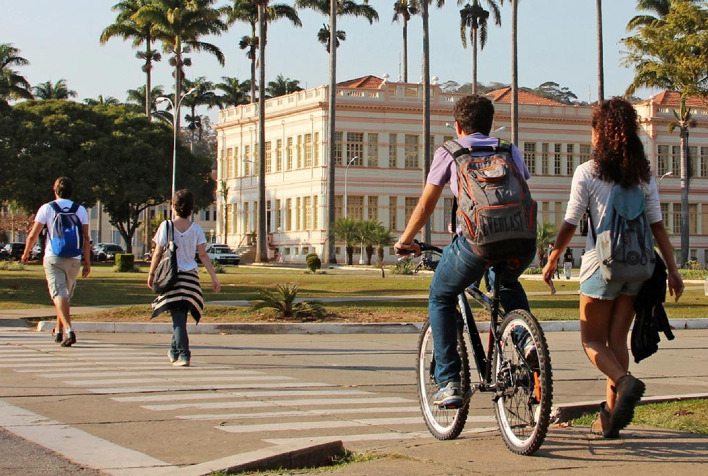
<point x="167" y="270"/>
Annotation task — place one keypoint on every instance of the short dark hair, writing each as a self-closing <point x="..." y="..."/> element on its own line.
<point x="474" y="113"/>
<point x="64" y="187"/>
<point x="183" y="201"/>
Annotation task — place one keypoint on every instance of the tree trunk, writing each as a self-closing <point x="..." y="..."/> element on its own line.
<point x="331" y="256"/>
<point x="600" y="65"/>
<point x="684" y="196"/>
<point x="350" y="255"/>
<point x="474" y="61"/>
<point x="405" y="50"/>
<point x="514" y="75"/>
<point x="148" y="76"/>
<point x="426" y="108"/>
<point x="261" y="244"/>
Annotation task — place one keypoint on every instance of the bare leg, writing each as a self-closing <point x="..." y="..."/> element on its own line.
<point x="622" y="316"/>
<point x="600" y="331"/>
<point x="63" y="312"/>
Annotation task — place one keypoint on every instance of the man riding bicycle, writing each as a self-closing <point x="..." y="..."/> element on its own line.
<point x="459" y="266"/>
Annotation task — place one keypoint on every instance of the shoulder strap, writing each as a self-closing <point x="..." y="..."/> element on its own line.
<point x="456" y="150"/>
<point x="55" y="206"/>
<point x="74" y="207"/>
<point x="592" y="225"/>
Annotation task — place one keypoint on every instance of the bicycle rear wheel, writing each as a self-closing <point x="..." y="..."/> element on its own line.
<point x="524" y="386"/>
<point x="444" y="424"/>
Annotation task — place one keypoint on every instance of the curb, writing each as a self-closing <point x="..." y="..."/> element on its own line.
<point x="311" y="328"/>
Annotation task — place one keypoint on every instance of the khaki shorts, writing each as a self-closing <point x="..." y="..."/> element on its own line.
<point x="61" y="275"/>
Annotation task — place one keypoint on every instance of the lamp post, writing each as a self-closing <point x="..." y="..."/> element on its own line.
<point x="346" y="170"/>
<point x="174" y="132"/>
<point x="665" y="175"/>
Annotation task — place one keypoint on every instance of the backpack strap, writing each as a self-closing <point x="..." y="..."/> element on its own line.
<point x="55" y="206"/>
<point x="456" y="150"/>
<point x="74" y="207"/>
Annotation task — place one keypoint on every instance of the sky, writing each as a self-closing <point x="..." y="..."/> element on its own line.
<point x="557" y="42"/>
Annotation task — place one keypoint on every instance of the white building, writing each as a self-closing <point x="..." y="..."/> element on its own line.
<point x="378" y="152"/>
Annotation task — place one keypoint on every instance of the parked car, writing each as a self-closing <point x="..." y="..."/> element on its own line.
<point x="106" y="251"/>
<point x="12" y="250"/>
<point x="221" y="254"/>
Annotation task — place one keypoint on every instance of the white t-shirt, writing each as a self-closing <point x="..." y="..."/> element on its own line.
<point x="588" y="191"/>
<point x="45" y="215"/>
<point x="186" y="242"/>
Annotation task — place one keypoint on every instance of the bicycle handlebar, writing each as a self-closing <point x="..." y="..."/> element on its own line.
<point x="423" y="247"/>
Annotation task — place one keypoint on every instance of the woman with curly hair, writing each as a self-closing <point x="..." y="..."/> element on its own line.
<point x="607" y="307"/>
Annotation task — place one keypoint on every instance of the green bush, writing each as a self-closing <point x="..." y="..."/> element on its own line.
<point x="282" y="300"/>
<point x="12" y="266"/>
<point x="403" y="266"/>
<point x="125" y="262"/>
<point x="313" y="262"/>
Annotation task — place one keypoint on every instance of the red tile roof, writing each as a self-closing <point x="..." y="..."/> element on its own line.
<point x="504" y="96"/>
<point x="673" y="98"/>
<point x="370" y="82"/>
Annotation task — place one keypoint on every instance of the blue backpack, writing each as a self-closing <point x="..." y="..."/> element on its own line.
<point x="66" y="236"/>
<point x="624" y="242"/>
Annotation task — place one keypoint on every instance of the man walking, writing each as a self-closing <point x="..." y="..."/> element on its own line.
<point x="61" y="264"/>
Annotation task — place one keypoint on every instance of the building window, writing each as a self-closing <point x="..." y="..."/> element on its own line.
<point x="373" y="208"/>
<point x="557" y="159"/>
<point x="676" y="218"/>
<point x="267" y="158"/>
<point x="584" y="153"/>
<point x="246" y="217"/>
<point x="704" y="162"/>
<point x="338" y="207"/>
<point x="256" y="158"/>
<point x="308" y="150"/>
<point x="545" y="152"/>
<point x="247" y="160"/>
<point x="288" y="214"/>
<point x="355" y="207"/>
<point x="412" y="151"/>
<point x="559" y="214"/>
<point x="692" y="218"/>
<point x="411" y="202"/>
<point x="372" y="149"/>
<point x="278" y="215"/>
<point x="307" y="206"/>
<point x="662" y="159"/>
<point x="447" y="214"/>
<point x="316" y="212"/>
<point x="392" y="150"/>
<point x="676" y="160"/>
<point x="355" y="147"/>
<point x="530" y="156"/>
<point x="289" y="155"/>
<point x="337" y="148"/>
<point x="269" y="216"/>
<point x="279" y="155"/>
<point x="392" y="212"/>
<point x="569" y="159"/>
<point x="233" y="224"/>
<point x="298" y="217"/>
<point x="665" y="217"/>
<point x="229" y="163"/>
<point x="299" y="152"/>
<point x="316" y="150"/>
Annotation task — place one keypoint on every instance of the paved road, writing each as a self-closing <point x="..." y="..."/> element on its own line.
<point x="113" y="403"/>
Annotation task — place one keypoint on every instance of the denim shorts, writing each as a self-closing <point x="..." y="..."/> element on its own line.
<point x="597" y="288"/>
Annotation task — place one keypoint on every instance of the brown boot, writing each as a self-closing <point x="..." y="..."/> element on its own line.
<point x="601" y="426"/>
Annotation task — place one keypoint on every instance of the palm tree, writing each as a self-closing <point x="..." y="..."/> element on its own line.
<point x="404" y="9"/>
<point x="334" y="8"/>
<point x="247" y="11"/>
<point x="653" y="52"/>
<point x="179" y="25"/>
<point x="137" y="97"/>
<point x="475" y="18"/>
<point x="102" y="100"/>
<point x="234" y="91"/>
<point x="282" y="86"/>
<point x="127" y="28"/>
<point x="59" y="90"/>
<point x="659" y="7"/>
<point x="203" y="95"/>
<point x="12" y="84"/>
<point x="324" y="37"/>
<point x="600" y="55"/>
<point x="346" y="230"/>
<point x="547" y="233"/>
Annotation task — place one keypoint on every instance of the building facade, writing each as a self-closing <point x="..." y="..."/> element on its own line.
<point x="379" y="161"/>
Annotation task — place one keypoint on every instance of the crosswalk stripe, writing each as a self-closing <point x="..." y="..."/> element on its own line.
<point x="293" y="413"/>
<point x="319" y="424"/>
<point x="165" y="388"/>
<point x="77" y="371"/>
<point x="182" y="378"/>
<point x="170" y="369"/>
<point x="213" y="396"/>
<point x="365" y="437"/>
<point x="289" y="402"/>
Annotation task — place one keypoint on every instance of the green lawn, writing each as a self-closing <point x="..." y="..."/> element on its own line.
<point x="27" y="289"/>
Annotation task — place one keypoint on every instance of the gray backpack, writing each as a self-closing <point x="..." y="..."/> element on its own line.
<point x="494" y="206"/>
<point x="624" y="242"/>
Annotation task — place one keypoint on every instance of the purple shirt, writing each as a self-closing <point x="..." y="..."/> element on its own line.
<point x="444" y="169"/>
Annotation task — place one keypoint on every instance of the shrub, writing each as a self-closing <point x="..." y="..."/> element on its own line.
<point x="12" y="266"/>
<point x="125" y="262"/>
<point x="313" y="262"/>
<point x="403" y="266"/>
<point x="283" y="301"/>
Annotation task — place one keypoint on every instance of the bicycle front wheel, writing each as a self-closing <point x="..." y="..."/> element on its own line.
<point x="524" y="386"/>
<point x="444" y="424"/>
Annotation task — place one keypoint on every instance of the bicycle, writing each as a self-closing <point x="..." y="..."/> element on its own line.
<point x="425" y="263"/>
<point x="520" y="382"/>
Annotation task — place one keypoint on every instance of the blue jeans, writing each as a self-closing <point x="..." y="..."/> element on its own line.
<point x="458" y="268"/>
<point x="180" y="339"/>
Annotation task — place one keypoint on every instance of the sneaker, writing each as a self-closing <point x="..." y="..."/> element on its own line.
<point x="531" y="354"/>
<point x="181" y="362"/>
<point x="171" y="356"/>
<point x="629" y="391"/>
<point x="450" y="396"/>
<point x="69" y="339"/>
<point x="57" y="336"/>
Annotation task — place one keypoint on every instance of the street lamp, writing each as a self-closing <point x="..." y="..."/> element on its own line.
<point x="345" y="183"/>
<point x="174" y="133"/>
<point x="665" y="175"/>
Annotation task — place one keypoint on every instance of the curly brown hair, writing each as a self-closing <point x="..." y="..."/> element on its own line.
<point x="474" y="113"/>
<point x="618" y="152"/>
